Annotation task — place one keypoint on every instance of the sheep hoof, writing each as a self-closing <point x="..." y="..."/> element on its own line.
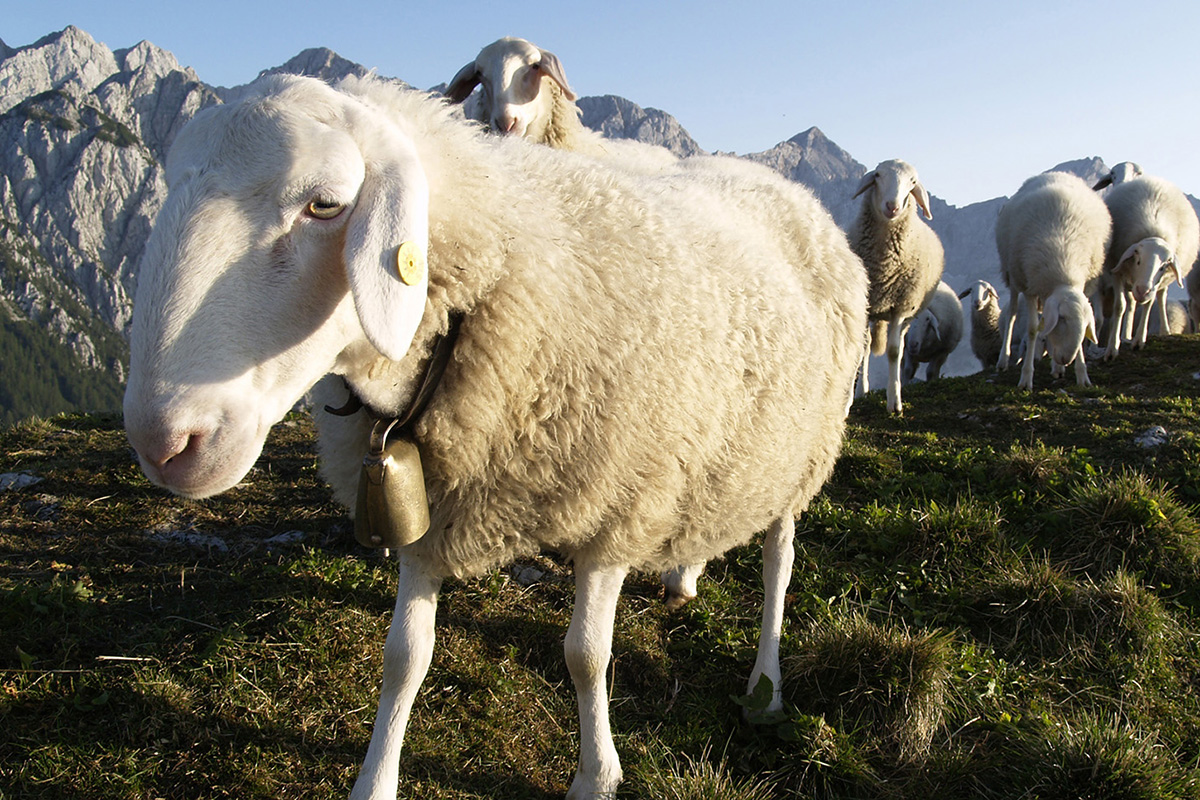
<point x="677" y="600"/>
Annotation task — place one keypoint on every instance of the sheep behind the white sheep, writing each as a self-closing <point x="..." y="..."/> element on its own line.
<point x="1125" y="171"/>
<point x="1155" y="240"/>
<point x="1192" y="282"/>
<point x="904" y="261"/>
<point x="933" y="335"/>
<point x="1052" y="236"/>
<point x="647" y="371"/>
<point x="523" y="92"/>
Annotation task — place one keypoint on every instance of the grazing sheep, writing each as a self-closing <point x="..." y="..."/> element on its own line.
<point x="1125" y="171"/>
<point x="1052" y="236"/>
<point x="646" y="371"/>
<point x="1155" y="240"/>
<point x="933" y="335"/>
<point x="903" y="257"/>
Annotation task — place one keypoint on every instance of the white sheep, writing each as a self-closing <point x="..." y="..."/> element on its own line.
<point x="1051" y="237"/>
<point x="1155" y="240"/>
<point x="903" y="257"/>
<point x="1178" y="320"/>
<point x="933" y="335"/>
<point x="647" y="371"/>
<point x="1125" y="171"/>
<point x="524" y="92"/>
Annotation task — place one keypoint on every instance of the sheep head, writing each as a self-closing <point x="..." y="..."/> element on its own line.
<point x="1147" y="266"/>
<point x="894" y="183"/>
<point x="1067" y="322"/>
<point x="1125" y="171"/>
<point x="511" y="70"/>
<point x="274" y="255"/>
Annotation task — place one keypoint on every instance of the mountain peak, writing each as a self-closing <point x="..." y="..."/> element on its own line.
<point x="317" y="62"/>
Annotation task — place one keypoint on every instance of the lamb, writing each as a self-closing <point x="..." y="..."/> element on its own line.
<point x="1125" y="171"/>
<point x="1052" y="236"/>
<point x="1155" y="239"/>
<point x="903" y="257"/>
<point x="643" y="371"/>
<point x="933" y="335"/>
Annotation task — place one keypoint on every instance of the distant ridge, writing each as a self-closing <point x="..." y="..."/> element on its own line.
<point x="86" y="132"/>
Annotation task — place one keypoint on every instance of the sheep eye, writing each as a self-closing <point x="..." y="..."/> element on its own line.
<point x="325" y="209"/>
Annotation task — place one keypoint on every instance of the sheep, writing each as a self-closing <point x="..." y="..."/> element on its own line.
<point x="1125" y="171"/>
<point x="903" y="257"/>
<point x="1178" y="320"/>
<point x="933" y="335"/>
<point x="1155" y="239"/>
<point x="524" y="93"/>
<point x="646" y="371"/>
<point x="1052" y="236"/>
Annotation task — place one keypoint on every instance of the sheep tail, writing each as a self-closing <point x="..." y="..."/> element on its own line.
<point x="879" y="335"/>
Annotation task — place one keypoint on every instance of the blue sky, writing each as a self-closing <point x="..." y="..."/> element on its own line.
<point x="977" y="95"/>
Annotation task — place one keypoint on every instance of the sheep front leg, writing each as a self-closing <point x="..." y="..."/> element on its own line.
<point x="895" y="350"/>
<point x="1081" y="373"/>
<point x="864" y="383"/>
<point x="778" y="557"/>
<point x="407" y="654"/>
<point x="1118" y="324"/>
<point x="588" y="648"/>
<point x="1007" y="320"/>
<point x="680" y="584"/>
<point x="1032" y="346"/>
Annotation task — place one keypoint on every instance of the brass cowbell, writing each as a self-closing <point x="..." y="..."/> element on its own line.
<point x="393" y="509"/>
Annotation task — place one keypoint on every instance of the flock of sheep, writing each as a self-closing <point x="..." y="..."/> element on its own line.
<point x="631" y="359"/>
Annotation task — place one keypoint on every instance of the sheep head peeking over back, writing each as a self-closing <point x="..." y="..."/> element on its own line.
<point x="524" y="90"/>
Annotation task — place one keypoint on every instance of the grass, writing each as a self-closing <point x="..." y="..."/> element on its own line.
<point x="996" y="596"/>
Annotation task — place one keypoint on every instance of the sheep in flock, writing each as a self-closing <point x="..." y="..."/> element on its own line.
<point x="903" y="257"/>
<point x="637" y="371"/>
<point x="933" y="335"/>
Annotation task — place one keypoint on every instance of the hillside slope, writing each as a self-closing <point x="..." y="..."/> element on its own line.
<point x="996" y="596"/>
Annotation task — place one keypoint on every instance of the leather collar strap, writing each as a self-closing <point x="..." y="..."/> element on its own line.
<point x="435" y="367"/>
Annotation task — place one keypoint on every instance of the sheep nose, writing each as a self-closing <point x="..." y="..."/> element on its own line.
<point x="168" y="455"/>
<point x="890" y="208"/>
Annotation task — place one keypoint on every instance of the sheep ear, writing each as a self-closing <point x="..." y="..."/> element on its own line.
<point x="1128" y="256"/>
<point x="1089" y="335"/>
<point x="922" y="197"/>
<point x="387" y="244"/>
<point x="1049" y="318"/>
<point x="1105" y="181"/>
<point x="1171" y="266"/>
<point x="933" y="323"/>
<point x="552" y="68"/>
<point x="463" y="83"/>
<point x="867" y="182"/>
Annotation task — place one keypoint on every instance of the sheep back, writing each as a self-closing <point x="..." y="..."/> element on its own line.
<point x="1053" y="232"/>
<point x="650" y="371"/>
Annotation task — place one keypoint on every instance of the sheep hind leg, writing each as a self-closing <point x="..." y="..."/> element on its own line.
<point x="407" y="654"/>
<point x="588" y="648"/>
<point x="1033" y="347"/>
<point x="778" y="557"/>
<point x="680" y="584"/>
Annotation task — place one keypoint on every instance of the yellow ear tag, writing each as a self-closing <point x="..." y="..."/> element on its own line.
<point x="410" y="263"/>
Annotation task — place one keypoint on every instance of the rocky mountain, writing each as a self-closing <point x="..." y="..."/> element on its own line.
<point x="84" y="132"/>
